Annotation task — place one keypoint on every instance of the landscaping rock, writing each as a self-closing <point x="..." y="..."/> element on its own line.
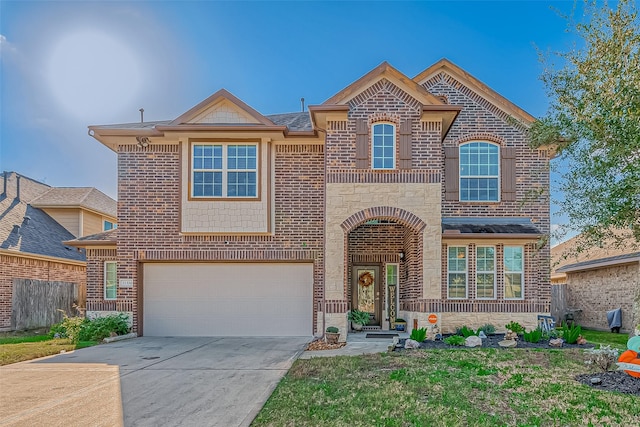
<point x="557" y="342"/>
<point x="473" y="341"/>
<point x="508" y="343"/>
<point x="411" y="344"/>
<point x="482" y="335"/>
<point x="596" y="380"/>
<point x="510" y="335"/>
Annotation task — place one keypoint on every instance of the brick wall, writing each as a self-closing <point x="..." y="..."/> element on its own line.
<point x="149" y="216"/>
<point x="597" y="291"/>
<point x="14" y="267"/>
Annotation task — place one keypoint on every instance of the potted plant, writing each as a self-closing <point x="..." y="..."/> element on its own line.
<point x="401" y="325"/>
<point x="358" y="319"/>
<point x="332" y="334"/>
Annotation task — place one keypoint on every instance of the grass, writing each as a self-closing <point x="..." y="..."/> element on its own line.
<point x="480" y="387"/>
<point x="618" y="341"/>
<point x="20" y="347"/>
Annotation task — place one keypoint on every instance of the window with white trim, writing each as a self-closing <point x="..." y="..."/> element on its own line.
<point x="513" y="272"/>
<point x="485" y="272"/>
<point x="479" y="172"/>
<point x="224" y="170"/>
<point x="383" y="146"/>
<point x="457" y="272"/>
<point x="110" y="280"/>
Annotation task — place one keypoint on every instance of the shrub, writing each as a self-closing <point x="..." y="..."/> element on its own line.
<point x="515" y="327"/>
<point x="533" y="336"/>
<point x="102" y="327"/>
<point x="332" y="330"/>
<point x="419" y="334"/>
<point x="454" y="340"/>
<point x="359" y="317"/>
<point x="604" y="358"/>
<point x="570" y="333"/>
<point x="488" y="329"/>
<point x="70" y="327"/>
<point x="465" y="331"/>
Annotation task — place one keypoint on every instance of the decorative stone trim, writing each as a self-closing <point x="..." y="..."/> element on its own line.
<point x="498" y="306"/>
<point x="151" y="148"/>
<point x="384" y="212"/>
<point x="475" y="136"/>
<point x="420" y="176"/>
<point x="336" y="306"/>
<point x="385" y="85"/>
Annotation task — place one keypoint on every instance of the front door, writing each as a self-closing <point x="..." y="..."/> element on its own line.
<point x="365" y="291"/>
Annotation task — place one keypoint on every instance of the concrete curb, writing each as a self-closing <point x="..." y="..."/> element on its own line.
<point x="120" y="337"/>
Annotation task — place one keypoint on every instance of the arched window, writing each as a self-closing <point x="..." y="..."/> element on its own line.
<point x="383" y="146"/>
<point x="479" y="172"/>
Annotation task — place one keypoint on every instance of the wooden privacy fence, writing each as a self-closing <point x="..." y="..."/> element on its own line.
<point x="36" y="303"/>
<point x="558" y="302"/>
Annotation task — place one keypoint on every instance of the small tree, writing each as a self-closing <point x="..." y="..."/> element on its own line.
<point x="594" y="121"/>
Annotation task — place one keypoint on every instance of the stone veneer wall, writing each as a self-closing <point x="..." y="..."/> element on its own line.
<point x="18" y="267"/>
<point x="149" y="216"/>
<point x="597" y="291"/>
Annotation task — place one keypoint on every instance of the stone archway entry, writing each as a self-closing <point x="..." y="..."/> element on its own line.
<point x="366" y="292"/>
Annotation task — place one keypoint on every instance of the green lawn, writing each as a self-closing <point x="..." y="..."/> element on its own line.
<point x="479" y="387"/>
<point x="19" y="348"/>
<point x="618" y="341"/>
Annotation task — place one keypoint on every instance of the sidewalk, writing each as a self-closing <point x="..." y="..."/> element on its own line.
<point x="357" y="344"/>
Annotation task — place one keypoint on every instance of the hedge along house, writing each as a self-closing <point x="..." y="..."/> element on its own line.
<point x="400" y="197"/>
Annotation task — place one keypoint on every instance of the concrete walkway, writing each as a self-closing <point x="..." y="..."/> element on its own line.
<point x="148" y="382"/>
<point x="357" y="344"/>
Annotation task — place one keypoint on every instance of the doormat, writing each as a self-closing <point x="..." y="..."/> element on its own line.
<point x="381" y="335"/>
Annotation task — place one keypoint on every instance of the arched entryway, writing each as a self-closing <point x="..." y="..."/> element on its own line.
<point x="383" y="251"/>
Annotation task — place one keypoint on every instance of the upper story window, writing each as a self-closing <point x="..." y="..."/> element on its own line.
<point x="224" y="170"/>
<point x="479" y="172"/>
<point x="108" y="225"/>
<point x="383" y="146"/>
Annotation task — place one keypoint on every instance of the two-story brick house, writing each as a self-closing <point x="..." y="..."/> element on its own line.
<point x="401" y="197"/>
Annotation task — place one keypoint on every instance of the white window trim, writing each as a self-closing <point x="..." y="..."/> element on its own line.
<point x="393" y="125"/>
<point x="498" y="177"/>
<point x="495" y="278"/>
<point x="224" y="170"/>
<point x="104" y="282"/>
<point x="466" y="273"/>
<point x="504" y="272"/>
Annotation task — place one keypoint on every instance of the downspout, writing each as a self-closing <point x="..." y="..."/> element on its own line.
<point x="324" y="237"/>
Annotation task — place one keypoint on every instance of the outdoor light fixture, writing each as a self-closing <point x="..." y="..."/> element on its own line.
<point x="143" y="141"/>
<point x="401" y="255"/>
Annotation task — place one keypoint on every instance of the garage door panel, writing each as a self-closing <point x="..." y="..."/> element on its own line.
<point x="268" y="299"/>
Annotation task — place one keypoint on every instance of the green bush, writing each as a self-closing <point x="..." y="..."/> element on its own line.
<point x="454" y="340"/>
<point x="70" y="327"/>
<point x="419" y="334"/>
<point x="465" y="331"/>
<point x="570" y="333"/>
<point x="332" y="330"/>
<point x="102" y="327"/>
<point x="515" y="327"/>
<point x="488" y="329"/>
<point x="533" y="336"/>
<point x="359" y="317"/>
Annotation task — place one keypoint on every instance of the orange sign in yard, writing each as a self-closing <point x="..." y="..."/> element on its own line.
<point x="433" y="318"/>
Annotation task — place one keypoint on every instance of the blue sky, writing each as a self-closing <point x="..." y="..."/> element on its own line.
<point x="67" y="65"/>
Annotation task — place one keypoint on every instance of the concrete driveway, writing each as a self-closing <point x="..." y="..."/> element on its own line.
<point x="207" y="381"/>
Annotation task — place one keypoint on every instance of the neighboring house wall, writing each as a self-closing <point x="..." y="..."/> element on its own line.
<point x="597" y="291"/>
<point x="92" y="223"/>
<point x="25" y="267"/>
<point x="70" y="219"/>
<point x="149" y="216"/>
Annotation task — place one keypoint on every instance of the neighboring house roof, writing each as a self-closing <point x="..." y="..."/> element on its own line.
<point x="294" y="121"/>
<point x="28" y="230"/>
<point x="81" y="197"/>
<point x="601" y="262"/>
<point x="489" y="226"/>
<point x="98" y="239"/>
<point x="569" y="256"/>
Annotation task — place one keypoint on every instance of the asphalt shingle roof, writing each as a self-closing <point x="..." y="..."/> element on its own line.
<point x="618" y="259"/>
<point x="86" y="197"/>
<point x="26" y="229"/>
<point x="105" y="236"/>
<point x="490" y="225"/>
<point x="294" y="121"/>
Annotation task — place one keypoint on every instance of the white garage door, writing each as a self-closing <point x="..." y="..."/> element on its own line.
<point x="230" y="299"/>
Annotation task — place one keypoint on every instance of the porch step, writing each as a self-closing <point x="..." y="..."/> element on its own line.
<point x="371" y="328"/>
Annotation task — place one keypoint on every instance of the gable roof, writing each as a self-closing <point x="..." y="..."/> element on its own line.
<point x="481" y="89"/>
<point x="77" y="197"/>
<point x="384" y="70"/>
<point x="106" y="238"/>
<point x="211" y="102"/>
<point x="28" y="230"/>
<point x="294" y="121"/>
<point x="600" y="263"/>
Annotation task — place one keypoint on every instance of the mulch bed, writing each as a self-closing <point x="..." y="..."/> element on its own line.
<point x="323" y="345"/>
<point x="492" y="342"/>
<point x="612" y="381"/>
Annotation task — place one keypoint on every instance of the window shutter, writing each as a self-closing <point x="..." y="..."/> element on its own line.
<point x="405" y="144"/>
<point x="508" y="173"/>
<point x="362" y="144"/>
<point x="451" y="173"/>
